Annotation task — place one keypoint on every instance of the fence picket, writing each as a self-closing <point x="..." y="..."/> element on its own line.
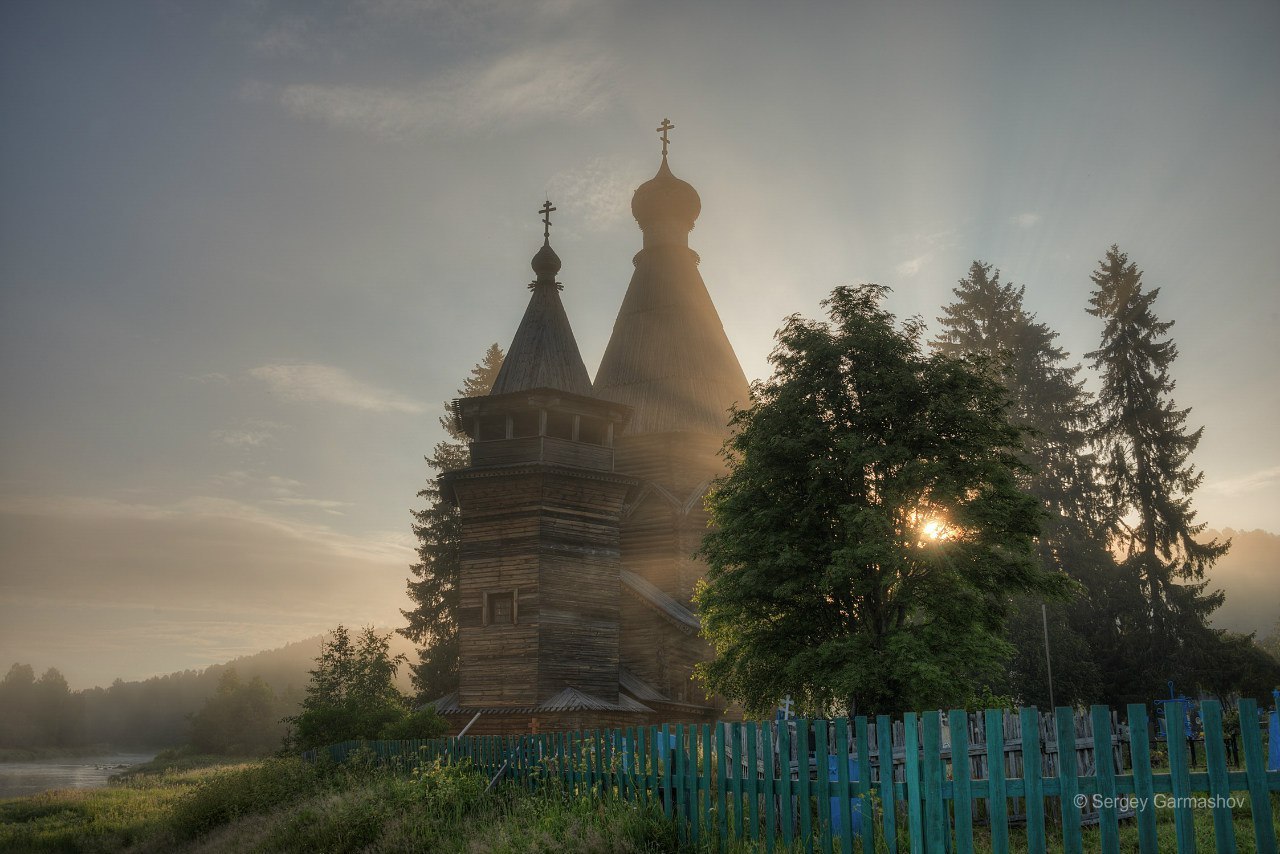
<point x="1032" y="782"/>
<point x="664" y="750"/>
<point x="787" y="817"/>
<point x="845" y="830"/>
<point x="962" y="791"/>
<point x="1143" y="783"/>
<point x="888" y="805"/>
<point x="1180" y="782"/>
<point x="1104" y="766"/>
<point x="1215" y="758"/>
<point x="997" y="802"/>
<point x="690" y="780"/>
<point x="1255" y="763"/>
<point x="822" y="758"/>
<point x="866" y="820"/>
<point x="803" y="804"/>
<point x="739" y="736"/>
<point x="1068" y="781"/>
<point x="935" y="811"/>
<point x="753" y="780"/>
<point x="767" y="739"/>
<point x="911" y="770"/>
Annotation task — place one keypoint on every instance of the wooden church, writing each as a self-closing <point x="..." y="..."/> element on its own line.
<point x="583" y="503"/>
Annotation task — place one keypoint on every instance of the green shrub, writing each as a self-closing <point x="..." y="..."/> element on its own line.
<point x="424" y="723"/>
<point x="226" y="796"/>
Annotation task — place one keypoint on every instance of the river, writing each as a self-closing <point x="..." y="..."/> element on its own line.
<point x="20" y="779"/>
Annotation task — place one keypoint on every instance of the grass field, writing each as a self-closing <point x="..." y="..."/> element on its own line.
<point x="284" y="805"/>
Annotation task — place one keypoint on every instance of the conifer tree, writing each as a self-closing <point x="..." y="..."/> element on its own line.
<point x="988" y="318"/>
<point x="1146" y="449"/>
<point x="433" y="620"/>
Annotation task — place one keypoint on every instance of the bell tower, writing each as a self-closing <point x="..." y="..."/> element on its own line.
<point x="540" y="504"/>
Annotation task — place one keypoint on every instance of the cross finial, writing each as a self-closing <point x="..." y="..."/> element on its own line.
<point x="546" y="210"/>
<point x="663" y="129"/>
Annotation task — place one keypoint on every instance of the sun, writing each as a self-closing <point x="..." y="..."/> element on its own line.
<point x="934" y="529"/>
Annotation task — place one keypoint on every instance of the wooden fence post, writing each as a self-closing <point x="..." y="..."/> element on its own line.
<point x="1255" y="764"/>
<point x="1215" y="758"/>
<point x="888" y="805"/>
<point x="915" y="816"/>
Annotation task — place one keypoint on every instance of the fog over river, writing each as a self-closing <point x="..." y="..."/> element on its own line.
<point x="21" y="779"/>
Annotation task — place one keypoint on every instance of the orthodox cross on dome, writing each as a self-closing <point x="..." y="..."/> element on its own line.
<point x="546" y="210"/>
<point x="663" y="129"/>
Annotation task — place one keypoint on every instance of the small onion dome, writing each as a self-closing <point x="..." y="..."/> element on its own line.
<point x="546" y="263"/>
<point x="664" y="198"/>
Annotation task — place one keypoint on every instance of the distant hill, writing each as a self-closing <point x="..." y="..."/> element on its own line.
<point x="1250" y="575"/>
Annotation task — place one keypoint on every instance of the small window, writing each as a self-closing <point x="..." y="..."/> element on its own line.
<point x="559" y="425"/>
<point x="500" y="608"/>
<point x="493" y="427"/>
<point x="591" y="431"/>
<point x="524" y="424"/>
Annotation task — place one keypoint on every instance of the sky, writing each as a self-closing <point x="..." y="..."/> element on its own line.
<point x="247" y="249"/>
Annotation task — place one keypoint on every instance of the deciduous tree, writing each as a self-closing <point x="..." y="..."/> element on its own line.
<point x="871" y="530"/>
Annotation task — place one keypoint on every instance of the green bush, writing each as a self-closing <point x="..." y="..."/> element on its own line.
<point x="226" y="796"/>
<point x="424" y="723"/>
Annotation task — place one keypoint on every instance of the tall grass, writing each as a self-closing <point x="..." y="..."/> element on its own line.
<point x="285" y="805"/>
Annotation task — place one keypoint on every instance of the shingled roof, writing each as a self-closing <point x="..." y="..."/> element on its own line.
<point x="544" y="353"/>
<point x="652" y="596"/>
<point x="669" y="358"/>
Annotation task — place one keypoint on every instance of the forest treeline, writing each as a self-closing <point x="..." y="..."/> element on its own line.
<point x="39" y="710"/>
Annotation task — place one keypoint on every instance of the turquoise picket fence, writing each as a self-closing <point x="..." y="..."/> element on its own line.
<point x="922" y="783"/>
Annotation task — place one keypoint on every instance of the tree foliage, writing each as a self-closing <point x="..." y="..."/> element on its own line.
<point x="988" y="318"/>
<point x="352" y="695"/>
<point x="433" y="621"/>
<point x="39" y="711"/>
<point x="871" y="529"/>
<point x="240" y="719"/>
<point x="1146" y="448"/>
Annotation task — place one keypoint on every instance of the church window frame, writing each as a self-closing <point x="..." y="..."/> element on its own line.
<point x="501" y="608"/>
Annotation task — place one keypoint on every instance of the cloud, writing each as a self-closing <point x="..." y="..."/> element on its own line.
<point x="598" y="192"/>
<point x="275" y="490"/>
<point x="312" y="383"/>
<point x="327" y="506"/>
<point x="1251" y="482"/>
<point x="213" y="378"/>
<point x="513" y="90"/>
<point x="252" y="434"/>
<point x="923" y="246"/>
<point x="912" y="266"/>
<point x="1027" y="219"/>
<point x="287" y="35"/>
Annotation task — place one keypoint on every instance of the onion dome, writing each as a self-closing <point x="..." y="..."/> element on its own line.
<point x="665" y="200"/>
<point x="545" y="265"/>
<point x="669" y="359"/>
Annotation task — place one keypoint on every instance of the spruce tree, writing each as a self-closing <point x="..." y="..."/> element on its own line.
<point x="433" y="620"/>
<point x="1146" y="448"/>
<point x="1050" y="403"/>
